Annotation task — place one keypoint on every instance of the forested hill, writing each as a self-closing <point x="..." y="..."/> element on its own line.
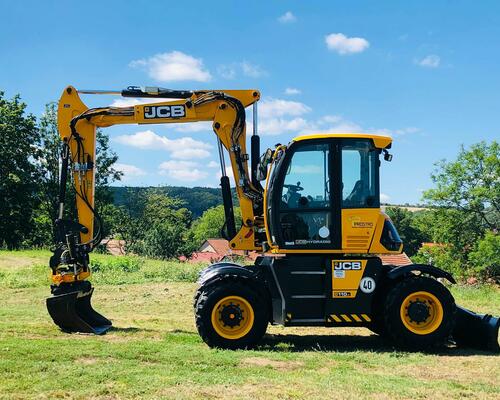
<point x="197" y="199"/>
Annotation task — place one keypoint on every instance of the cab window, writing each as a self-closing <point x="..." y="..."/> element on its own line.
<point x="359" y="175"/>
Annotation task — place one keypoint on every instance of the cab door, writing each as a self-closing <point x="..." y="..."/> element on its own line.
<point x="360" y="194"/>
<point x="306" y="197"/>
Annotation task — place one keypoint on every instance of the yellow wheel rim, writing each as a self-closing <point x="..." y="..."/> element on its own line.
<point x="232" y="317"/>
<point x="421" y="313"/>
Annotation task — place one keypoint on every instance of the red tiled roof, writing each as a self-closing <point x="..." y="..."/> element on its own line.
<point x="395" y="259"/>
<point x="221" y="247"/>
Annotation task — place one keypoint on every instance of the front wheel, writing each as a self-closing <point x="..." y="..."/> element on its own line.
<point x="231" y="316"/>
<point x="419" y="313"/>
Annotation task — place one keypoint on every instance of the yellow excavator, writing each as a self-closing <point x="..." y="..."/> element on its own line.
<point x="316" y="219"/>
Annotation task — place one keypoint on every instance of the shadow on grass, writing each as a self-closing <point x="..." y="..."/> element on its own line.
<point x="347" y="344"/>
<point x="338" y="343"/>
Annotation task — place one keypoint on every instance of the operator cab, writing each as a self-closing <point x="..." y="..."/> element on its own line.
<point x="316" y="183"/>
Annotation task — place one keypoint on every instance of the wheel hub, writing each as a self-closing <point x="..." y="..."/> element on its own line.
<point x="231" y="315"/>
<point x="418" y="311"/>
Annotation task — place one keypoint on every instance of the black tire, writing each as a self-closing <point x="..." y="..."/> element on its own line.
<point x="436" y="334"/>
<point x="207" y="299"/>
<point x="377" y="325"/>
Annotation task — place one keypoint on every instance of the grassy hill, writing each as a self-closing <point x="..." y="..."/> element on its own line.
<point x="197" y="199"/>
<point x="155" y="352"/>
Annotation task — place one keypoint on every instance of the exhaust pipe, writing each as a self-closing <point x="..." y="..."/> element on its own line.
<point x="71" y="310"/>
<point x="479" y="331"/>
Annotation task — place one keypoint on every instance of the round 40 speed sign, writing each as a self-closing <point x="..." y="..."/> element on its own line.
<point x="367" y="284"/>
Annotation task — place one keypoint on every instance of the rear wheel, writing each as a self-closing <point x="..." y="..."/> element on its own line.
<point x="419" y="313"/>
<point x="230" y="315"/>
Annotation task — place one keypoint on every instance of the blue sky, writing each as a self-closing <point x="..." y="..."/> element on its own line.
<point x="425" y="72"/>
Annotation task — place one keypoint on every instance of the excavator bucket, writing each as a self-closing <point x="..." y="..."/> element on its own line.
<point x="479" y="331"/>
<point x="72" y="312"/>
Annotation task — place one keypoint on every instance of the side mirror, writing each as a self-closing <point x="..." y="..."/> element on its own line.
<point x="387" y="156"/>
<point x="265" y="160"/>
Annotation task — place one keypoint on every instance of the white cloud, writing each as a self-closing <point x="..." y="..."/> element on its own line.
<point x="231" y="71"/>
<point x="345" y="45"/>
<point x="291" y="91"/>
<point x="182" y="148"/>
<point x="213" y="164"/>
<point x="277" y="126"/>
<point x="272" y="108"/>
<point x="189" y="154"/>
<point x="174" y="66"/>
<point x="332" y="124"/>
<point x="187" y="171"/>
<point x="287" y="18"/>
<point x="227" y="71"/>
<point x="384" y="198"/>
<point x="252" y="70"/>
<point x="129" y="171"/>
<point x="430" y="61"/>
<point x="202" y="126"/>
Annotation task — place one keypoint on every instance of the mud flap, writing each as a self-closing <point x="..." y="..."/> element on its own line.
<point x="71" y="310"/>
<point x="479" y="331"/>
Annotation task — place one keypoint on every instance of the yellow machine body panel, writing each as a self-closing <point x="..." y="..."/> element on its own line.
<point x="346" y="277"/>
<point x="358" y="228"/>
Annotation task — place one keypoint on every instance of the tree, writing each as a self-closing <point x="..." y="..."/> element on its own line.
<point x="466" y="204"/>
<point x="19" y="141"/>
<point x="411" y="235"/>
<point x="154" y="224"/>
<point x="210" y="224"/>
<point x="50" y="150"/>
<point x="470" y="184"/>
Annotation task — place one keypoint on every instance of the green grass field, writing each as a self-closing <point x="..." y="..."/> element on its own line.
<point x="154" y="350"/>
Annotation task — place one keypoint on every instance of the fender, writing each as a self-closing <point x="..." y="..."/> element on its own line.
<point x="398" y="272"/>
<point x="221" y="270"/>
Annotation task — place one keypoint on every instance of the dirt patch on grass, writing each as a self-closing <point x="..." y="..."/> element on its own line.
<point x="87" y="360"/>
<point x="253" y="391"/>
<point x="266" y="362"/>
<point x="17" y="262"/>
<point x="459" y="369"/>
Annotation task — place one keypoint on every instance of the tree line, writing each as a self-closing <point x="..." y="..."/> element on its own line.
<point x="461" y="218"/>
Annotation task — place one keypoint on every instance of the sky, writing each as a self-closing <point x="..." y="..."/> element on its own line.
<point x="426" y="73"/>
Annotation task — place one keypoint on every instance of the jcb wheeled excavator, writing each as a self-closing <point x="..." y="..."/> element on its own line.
<point x="317" y="222"/>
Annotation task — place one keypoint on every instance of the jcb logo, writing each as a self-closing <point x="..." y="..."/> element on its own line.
<point x="177" y="111"/>
<point x="347" y="265"/>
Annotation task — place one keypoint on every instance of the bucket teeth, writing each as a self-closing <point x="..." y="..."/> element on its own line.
<point x="73" y="312"/>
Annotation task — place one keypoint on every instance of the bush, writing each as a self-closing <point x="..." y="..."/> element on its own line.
<point x="117" y="264"/>
<point x="485" y="260"/>
<point x="442" y="257"/>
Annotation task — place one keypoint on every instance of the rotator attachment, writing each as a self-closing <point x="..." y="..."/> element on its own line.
<point x="71" y="310"/>
<point x="479" y="331"/>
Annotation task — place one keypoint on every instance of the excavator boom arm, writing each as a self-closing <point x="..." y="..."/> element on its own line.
<point x="225" y="108"/>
